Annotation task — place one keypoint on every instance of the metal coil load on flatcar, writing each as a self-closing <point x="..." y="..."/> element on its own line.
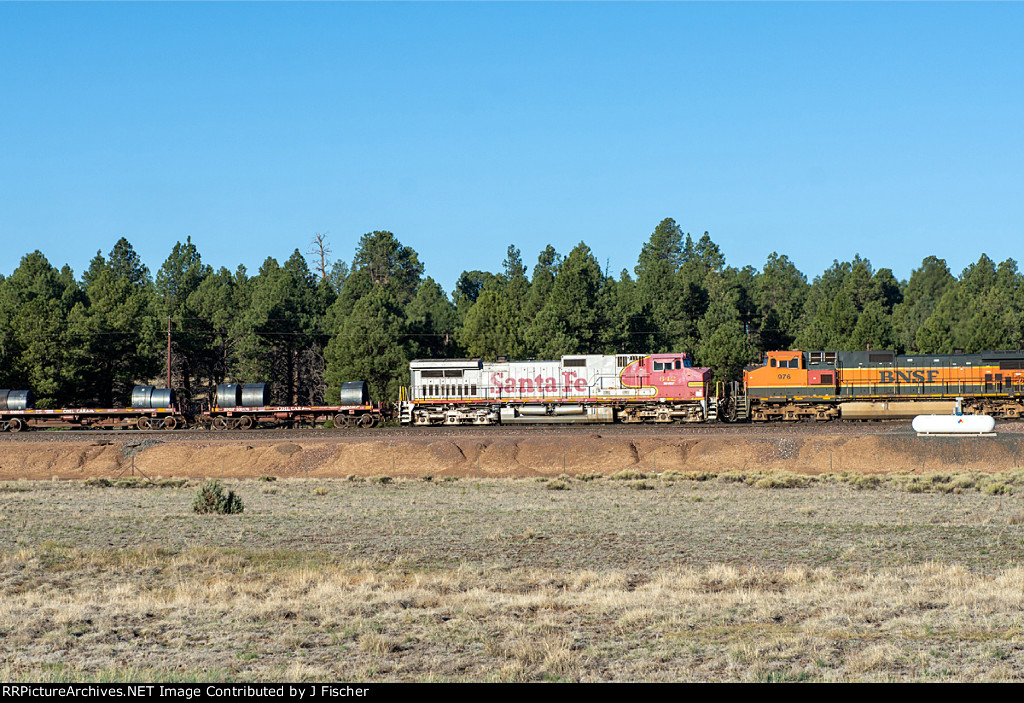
<point x="15" y="400"/>
<point x="148" y="397"/>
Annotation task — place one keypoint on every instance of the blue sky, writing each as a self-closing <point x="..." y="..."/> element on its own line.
<point x="816" y="130"/>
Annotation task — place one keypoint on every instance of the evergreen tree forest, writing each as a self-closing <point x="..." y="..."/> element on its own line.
<point x="86" y="341"/>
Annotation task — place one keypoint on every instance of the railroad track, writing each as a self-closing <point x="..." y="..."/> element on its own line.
<point x="680" y="431"/>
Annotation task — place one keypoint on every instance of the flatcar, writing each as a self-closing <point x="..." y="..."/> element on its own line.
<point x="245" y="406"/>
<point x="151" y="408"/>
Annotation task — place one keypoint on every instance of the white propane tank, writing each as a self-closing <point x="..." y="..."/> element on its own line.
<point x="953" y="424"/>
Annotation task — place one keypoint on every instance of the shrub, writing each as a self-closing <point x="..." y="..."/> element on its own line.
<point x="781" y="481"/>
<point x="866" y="483"/>
<point x="588" y="477"/>
<point x="627" y="475"/>
<point x="557" y="485"/>
<point x="211" y="498"/>
<point x="640" y="486"/>
<point x="98" y="482"/>
<point x="995" y="488"/>
<point x="268" y="478"/>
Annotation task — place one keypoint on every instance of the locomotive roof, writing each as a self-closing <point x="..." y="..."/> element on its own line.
<point x="445" y="363"/>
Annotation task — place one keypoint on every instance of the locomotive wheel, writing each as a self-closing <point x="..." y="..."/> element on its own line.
<point x="143" y="423"/>
<point x="14" y="425"/>
<point x="245" y="422"/>
<point x="367" y="421"/>
<point x="220" y="423"/>
<point x="170" y="423"/>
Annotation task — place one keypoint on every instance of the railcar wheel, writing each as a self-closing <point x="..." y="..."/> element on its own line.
<point x="339" y="421"/>
<point x="220" y="423"/>
<point x="245" y="422"/>
<point x="170" y="423"/>
<point x="15" y="425"/>
<point x="144" y="423"/>
<point x="366" y="421"/>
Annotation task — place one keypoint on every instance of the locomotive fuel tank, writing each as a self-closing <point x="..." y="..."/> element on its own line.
<point x="894" y="409"/>
<point x="561" y="415"/>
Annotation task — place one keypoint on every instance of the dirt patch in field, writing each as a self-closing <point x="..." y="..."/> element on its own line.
<point x="480" y="455"/>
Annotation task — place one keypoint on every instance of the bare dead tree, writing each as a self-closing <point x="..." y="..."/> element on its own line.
<point x="319" y="251"/>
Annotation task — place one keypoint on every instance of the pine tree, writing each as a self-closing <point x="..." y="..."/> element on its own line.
<point x="926" y="287"/>
<point x="660" y="291"/>
<point x="724" y="344"/>
<point x="180" y="276"/>
<point x="369" y="323"/>
<point x="114" y="327"/>
<point x="779" y="292"/>
<point x="369" y="346"/>
<point x="431" y="321"/>
<point x="569" y="322"/>
<point x="36" y="349"/>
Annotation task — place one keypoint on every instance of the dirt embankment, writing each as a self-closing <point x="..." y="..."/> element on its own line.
<point x="477" y="455"/>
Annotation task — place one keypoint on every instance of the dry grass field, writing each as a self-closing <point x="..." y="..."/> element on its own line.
<point x="678" y="577"/>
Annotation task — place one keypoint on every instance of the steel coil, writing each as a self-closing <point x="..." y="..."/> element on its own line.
<point x="355" y="393"/>
<point x="161" y="398"/>
<point x="141" y="396"/>
<point x="15" y="400"/>
<point x="229" y="395"/>
<point x="254" y="395"/>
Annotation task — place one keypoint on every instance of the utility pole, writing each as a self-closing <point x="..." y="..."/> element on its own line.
<point x="168" y="351"/>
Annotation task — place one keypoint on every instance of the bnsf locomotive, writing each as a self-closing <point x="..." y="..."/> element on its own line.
<point x="870" y="385"/>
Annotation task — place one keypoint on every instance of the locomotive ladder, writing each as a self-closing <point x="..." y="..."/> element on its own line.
<point x="404" y="407"/>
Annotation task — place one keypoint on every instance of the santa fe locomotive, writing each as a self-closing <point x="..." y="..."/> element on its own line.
<point x="578" y="388"/>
